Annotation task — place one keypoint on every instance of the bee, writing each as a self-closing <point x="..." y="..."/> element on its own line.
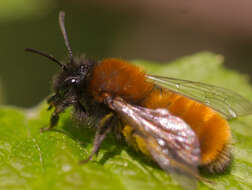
<point x="182" y="125"/>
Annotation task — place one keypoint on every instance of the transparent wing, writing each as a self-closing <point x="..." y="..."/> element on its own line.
<point x="173" y="166"/>
<point x="169" y="140"/>
<point x="227" y="102"/>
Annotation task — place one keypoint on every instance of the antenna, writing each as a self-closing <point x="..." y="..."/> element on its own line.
<point x="46" y="55"/>
<point x="64" y="33"/>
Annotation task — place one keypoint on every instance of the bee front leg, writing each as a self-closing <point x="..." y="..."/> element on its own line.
<point x="55" y="117"/>
<point x="103" y="128"/>
<point x="80" y="112"/>
<point x="53" y="122"/>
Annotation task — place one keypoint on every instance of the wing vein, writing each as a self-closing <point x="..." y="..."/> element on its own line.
<point x="227" y="102"/>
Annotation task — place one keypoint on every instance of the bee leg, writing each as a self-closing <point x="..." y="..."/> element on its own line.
<point x="117" y="130"/>
<point x="103" y="128"/>
<point x="54" y="117"/>
<point x="80" y="112"/>
<point x="51" y="100"/>
<point x="53" y="122"/>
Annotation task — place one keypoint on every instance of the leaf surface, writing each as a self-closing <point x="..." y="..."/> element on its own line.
<point x="31" y="160"/>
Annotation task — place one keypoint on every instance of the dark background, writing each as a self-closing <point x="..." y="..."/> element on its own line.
<point x="144" y="29"/>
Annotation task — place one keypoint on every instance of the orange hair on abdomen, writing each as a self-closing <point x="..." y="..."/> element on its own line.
<point x="212" y="130"/>
<point x="119" y="78"/>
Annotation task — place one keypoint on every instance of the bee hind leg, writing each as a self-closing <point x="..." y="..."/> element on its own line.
<point x="104" y="127"/>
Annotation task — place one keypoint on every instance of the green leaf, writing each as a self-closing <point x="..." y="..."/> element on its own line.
<point x="31" y="160"/>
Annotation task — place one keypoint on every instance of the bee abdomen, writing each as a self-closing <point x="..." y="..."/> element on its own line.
<point x="211" y="129"/>
<point x="222" y="161"/>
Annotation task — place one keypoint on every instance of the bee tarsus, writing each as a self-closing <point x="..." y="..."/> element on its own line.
<point x="103" y="128"/>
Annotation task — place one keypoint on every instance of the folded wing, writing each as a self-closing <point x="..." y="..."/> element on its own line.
<point x="169" y="140"/>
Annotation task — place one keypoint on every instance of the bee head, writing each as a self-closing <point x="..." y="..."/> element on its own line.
<point x="73" y="75"/>
<point x="69" y="83"/>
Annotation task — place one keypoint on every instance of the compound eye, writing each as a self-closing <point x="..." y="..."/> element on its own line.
<point x="72" y="81"/>
<point x="75" y="81"/>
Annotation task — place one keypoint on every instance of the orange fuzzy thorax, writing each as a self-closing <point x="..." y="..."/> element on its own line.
<point x="119" y="78"/>
<point x="212" y="130"/>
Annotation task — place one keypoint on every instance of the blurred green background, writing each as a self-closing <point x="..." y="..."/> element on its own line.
<point x="151" y="30"/>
